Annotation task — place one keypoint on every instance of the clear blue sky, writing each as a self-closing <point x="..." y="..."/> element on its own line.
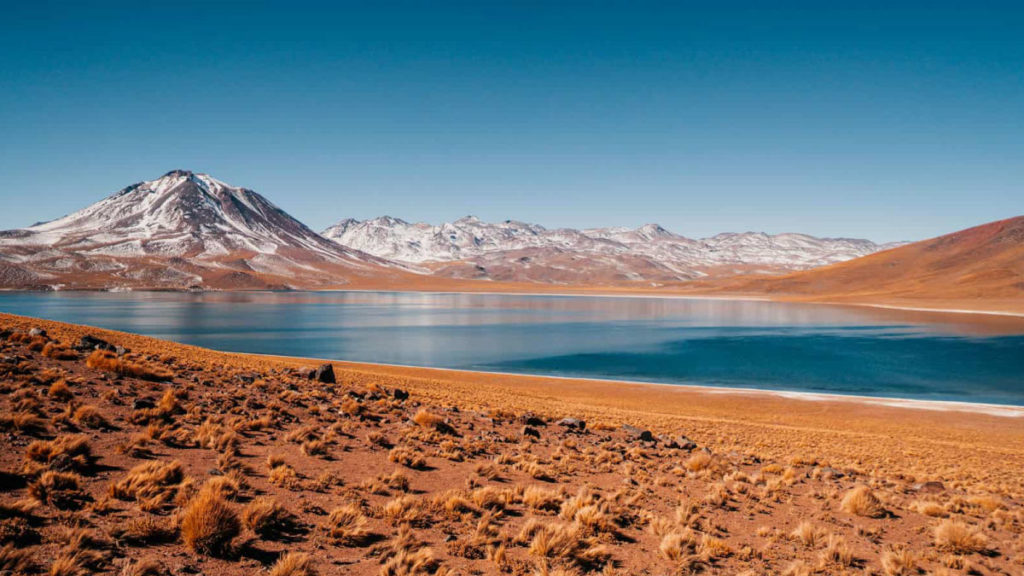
<point x="881" y="122"/>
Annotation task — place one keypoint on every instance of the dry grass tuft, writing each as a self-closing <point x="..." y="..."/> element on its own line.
<point x="63" y="453"/>
<point x="209" y="524"/>
<point x="90" y="417"/>
<point x="407" y="457"/>
<point x="151" y="484"/>
<point x="110" y="362"/>
<point x="346" y="526"/>
<point x="861" y="501"/>
<point x="58" y="489"/>
<point x="268" y="519"/>
<point x="959" y="538"/>
<point x="16" y="560"/>
<point x="293" y="564"/>
<point x="899" y="562"/>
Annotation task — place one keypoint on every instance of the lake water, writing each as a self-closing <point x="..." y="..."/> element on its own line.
<point x="748" y="344"/>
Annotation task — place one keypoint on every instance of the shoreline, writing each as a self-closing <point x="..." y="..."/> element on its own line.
<point x="987" y="408"/>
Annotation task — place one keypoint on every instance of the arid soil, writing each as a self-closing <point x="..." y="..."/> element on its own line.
<point x="160" y="458"/>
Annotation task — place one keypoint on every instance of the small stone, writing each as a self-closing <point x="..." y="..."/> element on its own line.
<point x="325" y="374"/>
<point x="531" y="419"/>
<point x="572" y="423"/>
<point x="931" y="487"/>
<point x="529" y="431"/>
<point x="399" y="394"/>
<point x="37" y="332"/>
<point x="638" y="434"/>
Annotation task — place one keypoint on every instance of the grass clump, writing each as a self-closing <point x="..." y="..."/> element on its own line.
<point x="209" y="524"/>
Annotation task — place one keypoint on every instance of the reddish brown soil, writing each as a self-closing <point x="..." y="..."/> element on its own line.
<point x="973" y="268"/>
<point x="762" y="466"/>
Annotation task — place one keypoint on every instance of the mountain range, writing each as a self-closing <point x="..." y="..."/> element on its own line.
<point x="512" y="250"/>
<point x="188" y="230"/>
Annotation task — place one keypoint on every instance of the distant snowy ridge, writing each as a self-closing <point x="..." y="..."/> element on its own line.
<point x="469" y="238"/>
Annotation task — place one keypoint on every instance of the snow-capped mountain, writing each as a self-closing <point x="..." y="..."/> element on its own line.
<point x="469" y="247"/>
<point x="179" y="230"/>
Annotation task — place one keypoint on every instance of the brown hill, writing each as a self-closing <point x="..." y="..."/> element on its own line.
<point x="984" y="263"/>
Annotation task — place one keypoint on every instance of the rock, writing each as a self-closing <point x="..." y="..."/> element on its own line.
<point x="573" y="423"/>
<point x="142" y="403"/>
<point x="685" y="443"/>
<point x="531" y="419"/>
<point x="311" y="374"/>
<point x="121" y="350"/>
<point x="325" y="374"/>
<point x="89" y="343"/>
<point x="399" y="394"/>
<point x="528" y="431"/>
<point x="37" y="332"/>
<point x="638" y="434"/>
<point x="931" y="487"/>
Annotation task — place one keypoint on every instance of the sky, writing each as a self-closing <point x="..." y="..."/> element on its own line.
<point x="885" y="121"/>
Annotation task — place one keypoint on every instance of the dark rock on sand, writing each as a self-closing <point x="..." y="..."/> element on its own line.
<point x="325" y="374"/>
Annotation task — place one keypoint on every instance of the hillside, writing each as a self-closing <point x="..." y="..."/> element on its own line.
<point x="977" y="266"/>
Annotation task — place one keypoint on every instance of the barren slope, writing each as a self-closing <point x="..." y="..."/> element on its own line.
<point x="972" y="267"/>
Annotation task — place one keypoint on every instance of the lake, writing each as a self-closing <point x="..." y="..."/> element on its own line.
<point x="727" y="343"/>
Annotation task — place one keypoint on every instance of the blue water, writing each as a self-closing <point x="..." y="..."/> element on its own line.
<point x="781" y="346"/>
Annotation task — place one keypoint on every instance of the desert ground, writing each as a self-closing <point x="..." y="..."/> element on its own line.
<point x="129" y="455"/>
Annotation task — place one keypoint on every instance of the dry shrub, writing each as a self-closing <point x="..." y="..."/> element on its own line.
<point x="63" y="453"/>
<point x="567" y="543"/>
<point x="698" y="462"/>
<point x="898" y="562"/>
<point x="405" y="510"/>
<point x="58" y="352"/>
<point x="346" y="526"/>
<point x="110" y="362"/>
<point x="712" y="548"/>
<point x="270" y="520"/>
<point x="407" y="457"/>
<point x="959" y="538"/>
<point x="60" y="390"/>
<point x="143" y="568"/>
<point x="90" y="417"/>
<point x="152" y="484"/>
<point x="209" y="524"/>
<point x="933" y="509"/>
<point x="285" y="476"/>
<point x="862" y="502"/>
<point x="314" y="448"/>
<point x="807" y="534"/>
<point x="838" y="551"/>
<point x="676" y="545"/>
<point x="427" y="419"/>
<point x="23" y="421"/>
<point x="539" y="498"/>
<point x="215" y="436"/>
<point x="17" y="560"/>
<point x="58" y="489"/>
<point x="293" y="564"/>
<point x="145" y="531"/>
<point x="406" y="563"/>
